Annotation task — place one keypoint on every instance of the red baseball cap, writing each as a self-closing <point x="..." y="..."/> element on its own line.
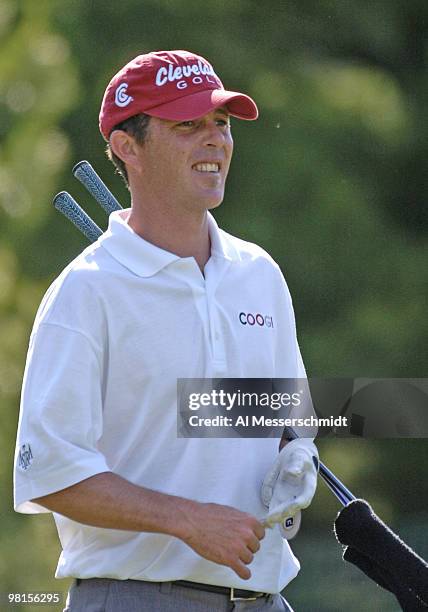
<point x="175" y="85"/>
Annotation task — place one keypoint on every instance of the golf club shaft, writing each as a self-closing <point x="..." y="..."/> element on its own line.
<point x="335" y="485"/>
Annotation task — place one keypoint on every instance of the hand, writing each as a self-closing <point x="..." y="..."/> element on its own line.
<point x="291" y="483"/>
<point x="224" y="535"/>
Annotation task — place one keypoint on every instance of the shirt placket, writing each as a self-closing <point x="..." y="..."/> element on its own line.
<point x="213" y="273"/>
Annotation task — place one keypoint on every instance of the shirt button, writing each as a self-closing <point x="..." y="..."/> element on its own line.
<point x="217" y="336"/>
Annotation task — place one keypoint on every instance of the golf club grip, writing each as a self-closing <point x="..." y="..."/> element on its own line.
<point x="85" y="173"/>
<point x="68" y="206"/>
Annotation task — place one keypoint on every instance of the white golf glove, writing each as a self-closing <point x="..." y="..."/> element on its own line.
<point x="291" y="483"/>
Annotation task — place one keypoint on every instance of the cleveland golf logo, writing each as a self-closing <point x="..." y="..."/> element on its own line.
<point x="121" y="98"/>
<point x="199" y="72"/>
<point x="247" y="318"/>
<point x="25" y="456"/>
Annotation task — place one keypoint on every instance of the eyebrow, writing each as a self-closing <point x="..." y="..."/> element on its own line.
<point x="221" y="111"/>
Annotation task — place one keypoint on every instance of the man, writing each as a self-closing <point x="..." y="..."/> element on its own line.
<point x="148" y="521"/>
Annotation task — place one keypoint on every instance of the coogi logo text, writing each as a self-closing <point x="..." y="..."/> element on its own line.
<point x="247" y="318"/>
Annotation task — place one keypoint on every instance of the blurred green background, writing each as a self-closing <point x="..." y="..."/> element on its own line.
<point x="331" y="181"/>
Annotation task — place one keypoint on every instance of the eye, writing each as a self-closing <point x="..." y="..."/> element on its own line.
<point x="187" y="124"/>
<point x="223" y="122"/>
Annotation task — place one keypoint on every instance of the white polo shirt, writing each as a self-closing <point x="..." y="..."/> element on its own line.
<point x="113" y="333"/>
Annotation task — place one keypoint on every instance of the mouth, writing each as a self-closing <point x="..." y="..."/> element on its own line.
<point x="213" y="167"/>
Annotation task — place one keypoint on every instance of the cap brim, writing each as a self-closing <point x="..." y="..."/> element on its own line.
<point x="198" y="104"/>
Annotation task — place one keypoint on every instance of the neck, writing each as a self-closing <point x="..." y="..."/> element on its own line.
<point x="182" y="232"/>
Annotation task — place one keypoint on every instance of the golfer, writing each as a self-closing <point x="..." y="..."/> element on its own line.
<point x="148" y="521"/>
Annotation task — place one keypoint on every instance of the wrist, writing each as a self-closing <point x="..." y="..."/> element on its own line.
<point x="184" y="512"/>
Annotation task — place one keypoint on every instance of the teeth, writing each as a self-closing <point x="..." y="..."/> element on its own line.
<point x="207" y="167"/>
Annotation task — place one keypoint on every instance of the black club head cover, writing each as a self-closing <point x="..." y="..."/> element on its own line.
<point x="408" y="600"/>
<point x="382" y="577"/>
<point x="402" y="569"/>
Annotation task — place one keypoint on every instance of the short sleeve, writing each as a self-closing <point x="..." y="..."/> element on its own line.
<point x="287" y="348"/>
<point x="61" y="415"/>
<point x="294" y="379"/>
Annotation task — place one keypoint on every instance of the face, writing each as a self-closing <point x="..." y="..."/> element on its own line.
<point x="187" y="162"/>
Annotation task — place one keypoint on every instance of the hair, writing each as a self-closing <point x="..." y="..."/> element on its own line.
<point x="136" y="126"/>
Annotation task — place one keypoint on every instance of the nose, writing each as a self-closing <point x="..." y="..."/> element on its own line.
<point x="215" y="135"/>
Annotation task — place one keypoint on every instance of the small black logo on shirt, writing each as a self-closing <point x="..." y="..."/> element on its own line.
<point x="25" y="456"/>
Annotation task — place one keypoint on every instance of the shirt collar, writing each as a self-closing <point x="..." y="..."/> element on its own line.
<point x="146" y="259"/>
<point x="221" y="242"/>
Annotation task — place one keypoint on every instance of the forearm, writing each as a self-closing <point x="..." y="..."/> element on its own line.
<point x="108" y="500"/>
<point x="218" y="533"/>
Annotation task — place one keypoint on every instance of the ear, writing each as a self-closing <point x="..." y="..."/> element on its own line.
<point x="124" y="146"/>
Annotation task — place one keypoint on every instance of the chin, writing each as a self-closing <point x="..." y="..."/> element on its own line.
<point x="215" y="204"/>
<point x="213" y="199"/>
<point x="205" y="201"/>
